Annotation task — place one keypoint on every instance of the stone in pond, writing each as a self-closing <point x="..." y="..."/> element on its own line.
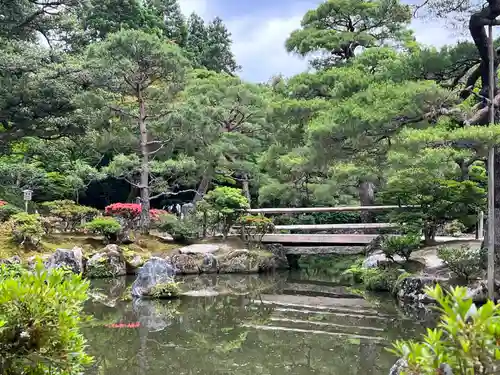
<point x="156" y="279"/>
<point x="110" y="262"/>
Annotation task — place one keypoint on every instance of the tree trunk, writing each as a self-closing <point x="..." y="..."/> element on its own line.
<point x="246" y="188"/>
<point x="144" y="184"/>
<point x="204" y="184"/>
<point x="497" y="216"/>
<point x="430" y="234"/>
<point x="366" y="191"/>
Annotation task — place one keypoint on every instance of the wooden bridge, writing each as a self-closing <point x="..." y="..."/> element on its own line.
<point x="321" y="243"/>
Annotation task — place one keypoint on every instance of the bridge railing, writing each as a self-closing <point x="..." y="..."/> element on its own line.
<point x="346" y="226"/>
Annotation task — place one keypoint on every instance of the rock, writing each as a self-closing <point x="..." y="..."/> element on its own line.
<point x="244" y="261"/>
<point x="72" y="259"/>
<point x="401" y="365"/>
<point x="200" y="249"/>
<point x="110" y="262"/>
<point x="412" y="288"/>
<point x="156" y="279"/>
<point x="279" y="255"/>
<point x="478" y="291"/>
<point x="375" y="260"/>
<point x="210" y="264"/>
<point x="12" y="260"/>
<point x="398" y="367"/>
<point x="187" y="264"/>
<point x="375" y="245"/>
<point x="32" y="261"/>
<point x="134" y="262"/>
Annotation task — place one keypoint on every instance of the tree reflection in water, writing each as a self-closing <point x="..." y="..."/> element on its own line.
<point x="214" y="335"/>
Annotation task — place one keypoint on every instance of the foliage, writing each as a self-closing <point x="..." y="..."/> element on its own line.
<point x="440" y="200"/>
<point x="228" y="203"/>
<point x="336" y="28"/>
<point x="454" y="228"/>
<point x="183" y="231"/>
<point x="166" y="290"/>
<point x="27" y="229"/>
<point x="400" y="245"/>
<point x="464" y="261"/>
<point x="465" y="341"/>
<point x="70" y="213"/>
<point x="41" y="313"/>
<point x="130" y="213"/>
<point x="379" y="279"/>
<point x="7" y="211"/>
<point x="255" y="227"/>
<point x="105" y="226"/>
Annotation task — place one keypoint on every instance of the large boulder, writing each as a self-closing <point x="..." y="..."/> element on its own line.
<point x="186" y="264"/>
<point x="156" y="279"/>
<point x="413" y="288"/>
<point x="245" y="261"/>
<point x="11" y="261"/>
<point x="110" y="262"/>
<point x="279" y="255"/>
<point x="398" y="367"/>
<point x="71" y="259"/>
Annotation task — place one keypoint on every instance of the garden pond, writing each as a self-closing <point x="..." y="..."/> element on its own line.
<point x="285" y="323"/>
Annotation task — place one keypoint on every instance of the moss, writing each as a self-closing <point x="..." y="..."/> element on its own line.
<point x="165" y="290"/>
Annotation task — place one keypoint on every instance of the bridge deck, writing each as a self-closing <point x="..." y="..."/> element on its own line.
<point x="336" y="226"/>
<point x="324" y="239"/>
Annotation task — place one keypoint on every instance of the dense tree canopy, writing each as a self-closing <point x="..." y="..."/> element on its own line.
<point x="106" y="105"/>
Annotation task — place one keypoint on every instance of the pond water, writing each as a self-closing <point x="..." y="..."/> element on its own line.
<point x="286" y="323"/>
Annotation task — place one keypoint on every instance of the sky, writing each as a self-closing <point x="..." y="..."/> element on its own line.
<point x="259" y="29"/>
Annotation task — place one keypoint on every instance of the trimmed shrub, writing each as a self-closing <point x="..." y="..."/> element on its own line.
<point x="105" y="226"/>
<point x="255" y="227"/>
<point x="400" y="245"/>
<point x="27" y="229"/>
<point x="184" y="231"/>
<point x="228" y="203"/>
<point x="70" y="213"/>
<point x="463" y="261"/>
<point x="40" y="319"/>
<point x="7" y="211"/>
<point x="131" y="213"/>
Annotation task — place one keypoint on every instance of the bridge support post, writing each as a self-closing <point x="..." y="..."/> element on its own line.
<point x="293" y="261"/>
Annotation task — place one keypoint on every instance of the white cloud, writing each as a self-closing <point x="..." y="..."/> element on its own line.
<point x="258" y="43"/>
<point x="259" y="47"/>
<point x="198" y="6"/>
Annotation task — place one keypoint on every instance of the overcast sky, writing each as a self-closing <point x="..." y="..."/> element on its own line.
<point x="260" y="27"/>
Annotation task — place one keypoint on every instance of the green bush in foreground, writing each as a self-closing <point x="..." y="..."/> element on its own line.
<point x="464" y="343"/>
<point x="40" y="317"/>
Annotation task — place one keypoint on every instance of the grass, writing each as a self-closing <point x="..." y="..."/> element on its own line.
<point x="144" y="244"/>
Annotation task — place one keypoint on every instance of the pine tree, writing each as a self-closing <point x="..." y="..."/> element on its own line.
<point x="175" y="27"/>
<point x="217" y="52"/>
<point x="197" y="39"/>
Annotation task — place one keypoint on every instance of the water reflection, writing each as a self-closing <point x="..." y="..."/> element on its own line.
<point x="245" y="324"/>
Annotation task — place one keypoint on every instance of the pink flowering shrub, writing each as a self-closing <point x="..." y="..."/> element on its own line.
<point x="130" y="212"/>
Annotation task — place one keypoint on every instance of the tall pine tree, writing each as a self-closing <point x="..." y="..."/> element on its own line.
<point x="217" y="54"/>
<point x="197" y="38"/>
<point x="175" y="27"/>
